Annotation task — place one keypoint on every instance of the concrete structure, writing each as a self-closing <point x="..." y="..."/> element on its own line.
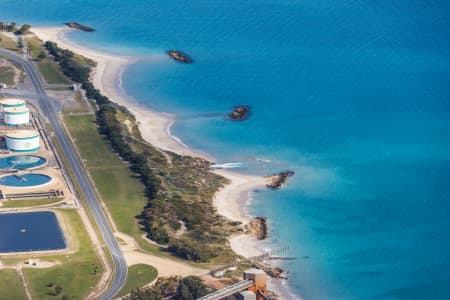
<point x="23" y="140"/>
<point x="15" y="116"/>
<point x="247" y="295"/>
<point x="259" y="280"/>
<point x="12" y="102"/>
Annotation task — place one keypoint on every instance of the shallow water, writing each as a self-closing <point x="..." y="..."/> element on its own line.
<point x="352" y="96"/>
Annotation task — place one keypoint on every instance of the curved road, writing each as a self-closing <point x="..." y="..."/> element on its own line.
<point x="51" y="113"/>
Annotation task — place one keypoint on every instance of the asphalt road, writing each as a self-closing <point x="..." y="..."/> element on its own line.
<point x="51" y="113"/>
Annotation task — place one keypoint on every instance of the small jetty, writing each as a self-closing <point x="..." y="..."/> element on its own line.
<point x="276" y="181"/>
<point x="240" y="113"/>
<point x="180" y="56"/>
<point x="78" y="26"/>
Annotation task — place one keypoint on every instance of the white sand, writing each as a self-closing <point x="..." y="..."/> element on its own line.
<point x="155" y="129"/>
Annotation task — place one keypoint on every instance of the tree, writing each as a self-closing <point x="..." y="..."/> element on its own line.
<point x="42" y="55"/>
<point x="191" y="288"/>
<point x="58" y="290"/>
<point x="11" y="27"/>
<point x="23" y="29"/>
<point x="20" y="43"/>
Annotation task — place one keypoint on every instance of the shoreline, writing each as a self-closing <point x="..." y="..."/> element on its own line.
<point x="155" y="127"/>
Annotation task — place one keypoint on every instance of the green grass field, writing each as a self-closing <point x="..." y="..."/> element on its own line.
<point x="8" y="43"/>
<point x="29" y="203"/>
<point x="10" y="285"/>
<point x="119" y="188"/>
<point x="138" y="276"/>
<point x="7" y="75"/>
<point x="77" y="275"/>
<point x="49" y="69"/>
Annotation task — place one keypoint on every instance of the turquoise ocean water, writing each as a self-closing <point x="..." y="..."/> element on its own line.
<point x="354" y="96"/>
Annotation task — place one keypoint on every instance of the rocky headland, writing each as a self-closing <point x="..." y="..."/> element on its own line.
<point x="78" y="26"/>
<point x="257" y="227"/>
<point x="239" y="113"/>
<point x="276" y="181"/>
<point x="180" y="56"/>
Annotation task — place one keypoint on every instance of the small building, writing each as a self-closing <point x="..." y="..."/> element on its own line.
<point x="12" y="102"/>
<point x="247" y="295"/>
<point x="258" y="277"/>
<point x="15" y="116"/>
<point x="23" y="140"/>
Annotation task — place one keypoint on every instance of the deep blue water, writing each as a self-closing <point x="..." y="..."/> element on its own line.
<point x="34" y="231"/>
<point x="354" y="96"/>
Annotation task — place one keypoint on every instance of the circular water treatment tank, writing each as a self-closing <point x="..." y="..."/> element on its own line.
<point x="12" y="102"/>
<point x="14" y="116"/>
<point x="20" y="162"/>
<point x="25" y="180"/>
<point x="22" y="140"/>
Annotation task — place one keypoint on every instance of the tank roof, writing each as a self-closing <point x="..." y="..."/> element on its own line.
<point x="12" y="101"/>
<point x="18" y="109"/>
<point x="22" y="134"/>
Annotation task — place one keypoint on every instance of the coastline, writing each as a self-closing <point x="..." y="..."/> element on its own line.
<point x="155" y="127"/>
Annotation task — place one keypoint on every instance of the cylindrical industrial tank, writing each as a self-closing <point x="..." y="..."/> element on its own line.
<point x="12" y="102"/>
<point x="14" y="116"/>
<point x="23" y="141"/>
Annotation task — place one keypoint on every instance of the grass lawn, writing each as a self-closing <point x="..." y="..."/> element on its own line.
<point x="7" y="75"/>
<point x="119" y="188"/>
<point x="8" y="43"/>
<point x="10" y="286"/>
<point x="138" y="276"/>
<point x="49" y="69"/>
<point x="77" y="275"/>
<point x="29" y="203"/>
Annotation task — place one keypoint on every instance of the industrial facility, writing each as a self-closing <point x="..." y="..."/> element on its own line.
<point x="17" y="132"/>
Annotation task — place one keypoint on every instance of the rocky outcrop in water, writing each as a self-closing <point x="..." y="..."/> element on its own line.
<point x="78" y="26"/>
<point x="239" y="113"/>
<point x="257" y="227"/>
<point x="275" y="181"/>
<point x="180" y="56"/>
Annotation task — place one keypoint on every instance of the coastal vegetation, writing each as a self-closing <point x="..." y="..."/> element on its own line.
<point x="179" y="189"/>
<point x="187" y="288"/>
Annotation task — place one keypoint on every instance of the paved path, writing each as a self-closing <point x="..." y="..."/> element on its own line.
<point x="50" y="111"/>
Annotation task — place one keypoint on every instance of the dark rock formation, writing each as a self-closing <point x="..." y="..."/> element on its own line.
<point x="275" y="181"/>
<point x="78" y="26"/>
<point x="239" y="113"/>
<point x="180" y="56"/>
<point x="257" y="227"/>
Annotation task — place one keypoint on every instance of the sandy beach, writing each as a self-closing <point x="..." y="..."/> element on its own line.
<point x="155" y="129"/>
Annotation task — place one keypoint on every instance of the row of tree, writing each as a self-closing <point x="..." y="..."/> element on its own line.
<point x="12" y="27"/>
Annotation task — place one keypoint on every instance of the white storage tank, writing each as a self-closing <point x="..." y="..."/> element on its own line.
<point x="12" y="102"/>
<point x="22" y="140"/>
<point x="14" y="116"/>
